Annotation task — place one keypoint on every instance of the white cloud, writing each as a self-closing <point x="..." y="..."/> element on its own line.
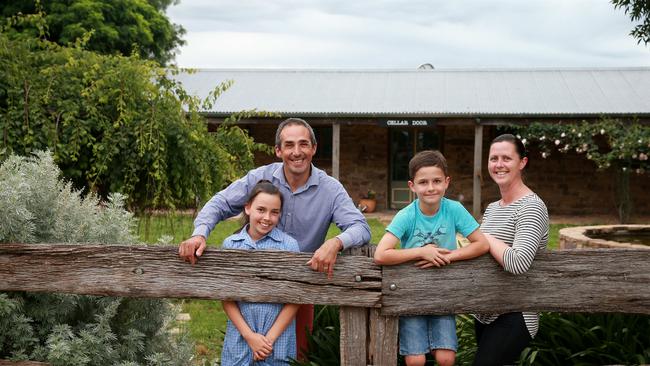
<point x="405" y="34"/>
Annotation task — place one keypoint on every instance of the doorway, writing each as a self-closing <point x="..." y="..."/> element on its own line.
<point x="404" y="144"/>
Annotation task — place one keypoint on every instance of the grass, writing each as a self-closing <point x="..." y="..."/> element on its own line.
<point x="208" y="321"/>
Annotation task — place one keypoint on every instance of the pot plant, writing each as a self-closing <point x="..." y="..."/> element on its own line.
<point x="368" y="203"/>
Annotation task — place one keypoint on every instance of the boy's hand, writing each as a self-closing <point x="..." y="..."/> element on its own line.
<point x="433" y="256"/>
<point x="260" y="346"/>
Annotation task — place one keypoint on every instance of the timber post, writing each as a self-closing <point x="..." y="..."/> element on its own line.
<point x="367" y="336"/>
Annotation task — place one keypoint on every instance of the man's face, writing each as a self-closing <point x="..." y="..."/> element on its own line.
<point x="296" y="150"/>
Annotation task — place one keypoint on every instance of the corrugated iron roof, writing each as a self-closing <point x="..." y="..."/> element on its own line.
<point x="437" y="93"/>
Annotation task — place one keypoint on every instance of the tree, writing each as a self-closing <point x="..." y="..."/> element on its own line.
<point x="609" y="143"/>
<point x="117" y="26"/>
<point x="114" y="123"/>
<point x="639" y="11"/>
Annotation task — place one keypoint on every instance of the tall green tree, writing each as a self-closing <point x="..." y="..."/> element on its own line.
<point x="638" y="11"/>
<point x="117" y="26"/>
<point x="114" y="123"/>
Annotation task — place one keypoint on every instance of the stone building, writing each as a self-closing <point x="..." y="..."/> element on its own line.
<point x="369" y="123"/>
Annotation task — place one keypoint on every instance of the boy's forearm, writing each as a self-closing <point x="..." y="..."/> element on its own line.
<point x="287" y="314"/>
<point x="470" y="251"/>
<point x="398" y="256"/>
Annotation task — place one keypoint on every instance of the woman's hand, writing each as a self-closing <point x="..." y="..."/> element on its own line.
<point x="431" y="256"/>
<point x="260" y="346"/>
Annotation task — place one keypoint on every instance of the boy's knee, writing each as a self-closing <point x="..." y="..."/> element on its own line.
<point x="445" y="357"/>
<point x="415" y="360"/>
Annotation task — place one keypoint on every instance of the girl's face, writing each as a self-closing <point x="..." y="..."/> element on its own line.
<point x="504" y="163"/>
<point x="264" y="213"/>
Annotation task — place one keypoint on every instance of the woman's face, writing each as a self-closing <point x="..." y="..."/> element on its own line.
<point x="504" y="163"/>
<point x="264" y="213"/>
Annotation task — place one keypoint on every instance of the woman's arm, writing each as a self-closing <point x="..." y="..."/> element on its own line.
<point x="531" y="233"/>
<point x="497" y="248"/>
<point x="258" y="343"/>
<point x="386" y="254"/>
<point x="283" y="320"/>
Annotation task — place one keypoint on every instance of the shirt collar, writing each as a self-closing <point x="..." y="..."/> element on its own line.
<point x="313" y="179"/>
<point x="274" y="234"/>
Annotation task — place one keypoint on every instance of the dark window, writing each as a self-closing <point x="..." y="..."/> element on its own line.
<point x="324" y="139"/>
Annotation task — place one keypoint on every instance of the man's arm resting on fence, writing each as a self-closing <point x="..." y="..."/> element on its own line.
<point x="192" y="248"/>
<point x="324" y="258"/>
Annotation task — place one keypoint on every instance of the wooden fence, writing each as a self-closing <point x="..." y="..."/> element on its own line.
<point x="370" y="297"/>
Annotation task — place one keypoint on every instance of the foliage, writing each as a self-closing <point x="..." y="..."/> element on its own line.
<point x="590" y="339"/>
<point x="608" y="142"/>
<point x="115" y="27"/>
<point x="114" y="123"/>
<point x="324" y="341"/>
<point x="37" y="207"/>
<point x="639" y="11"/>
<point x="623" y="146"/>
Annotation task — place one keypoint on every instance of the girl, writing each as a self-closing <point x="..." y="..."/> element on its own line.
<point x="260" y="333"/>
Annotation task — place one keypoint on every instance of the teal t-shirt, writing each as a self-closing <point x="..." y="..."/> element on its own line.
<point x="414" y="229"/>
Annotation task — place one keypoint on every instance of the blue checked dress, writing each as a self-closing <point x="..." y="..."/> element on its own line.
<point x="259" y="316"/>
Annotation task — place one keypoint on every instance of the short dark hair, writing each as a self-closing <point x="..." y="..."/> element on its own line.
<point x="290" y="122"/>
<point x="427" y="158"/>
<point x="520" y="148"/>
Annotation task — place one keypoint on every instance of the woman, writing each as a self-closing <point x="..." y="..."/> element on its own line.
<point x="516" y="227"/>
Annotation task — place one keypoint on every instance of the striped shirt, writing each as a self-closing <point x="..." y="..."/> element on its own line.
<point x="523" y="225"/>
<point x="260" y="317"/>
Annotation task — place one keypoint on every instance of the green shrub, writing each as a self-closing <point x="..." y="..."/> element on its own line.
<point x="37" y="207"/>
<point x="590" y="339"/>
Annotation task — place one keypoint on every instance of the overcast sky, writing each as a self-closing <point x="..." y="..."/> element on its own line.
<point x="405" y="34"/>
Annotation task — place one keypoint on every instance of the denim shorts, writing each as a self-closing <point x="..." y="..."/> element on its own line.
<point x="420" y="335"/>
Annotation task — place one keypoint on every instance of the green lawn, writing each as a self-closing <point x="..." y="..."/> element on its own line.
<point x="208" y="321"/>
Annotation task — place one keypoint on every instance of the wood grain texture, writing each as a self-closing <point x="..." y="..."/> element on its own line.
<point x="157" y="271"/>
<point x="382" y="346"/>
<point x="22" y="363"/>
<point x="354" y="331"/>
<point x="586" y="280"/>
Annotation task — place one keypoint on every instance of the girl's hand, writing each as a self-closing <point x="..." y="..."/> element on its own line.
<point x="433" y="256"/>
<point x="260" y="346"/>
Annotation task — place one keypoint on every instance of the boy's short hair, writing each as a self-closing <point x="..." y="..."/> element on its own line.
<point x="427" y="158"/>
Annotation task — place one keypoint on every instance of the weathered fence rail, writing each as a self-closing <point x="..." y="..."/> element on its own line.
<point x="371" y="297"/>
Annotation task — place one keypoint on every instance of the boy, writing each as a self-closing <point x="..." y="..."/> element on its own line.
<point x="427" y="229"/>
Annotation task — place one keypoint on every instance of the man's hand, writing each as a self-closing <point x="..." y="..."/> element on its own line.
<point x="433" y="256"/>
<point x="192" y="248"/>
<point x="260" y="345"/>
<point x="324" y="258"/>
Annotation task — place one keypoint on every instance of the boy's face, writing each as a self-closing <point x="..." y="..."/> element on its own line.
<point x="430" y="185"/>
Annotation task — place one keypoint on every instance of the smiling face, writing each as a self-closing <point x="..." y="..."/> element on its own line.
<point x="264" y="214"/>
<point x="429" y="184"/>
<point x="505" y="164"/>
<point x="296" y="151"/>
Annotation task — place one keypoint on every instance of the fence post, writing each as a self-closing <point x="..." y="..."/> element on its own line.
<point x="367" y="337"/>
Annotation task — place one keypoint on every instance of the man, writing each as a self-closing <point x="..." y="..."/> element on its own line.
<point x="312" y="200"/>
